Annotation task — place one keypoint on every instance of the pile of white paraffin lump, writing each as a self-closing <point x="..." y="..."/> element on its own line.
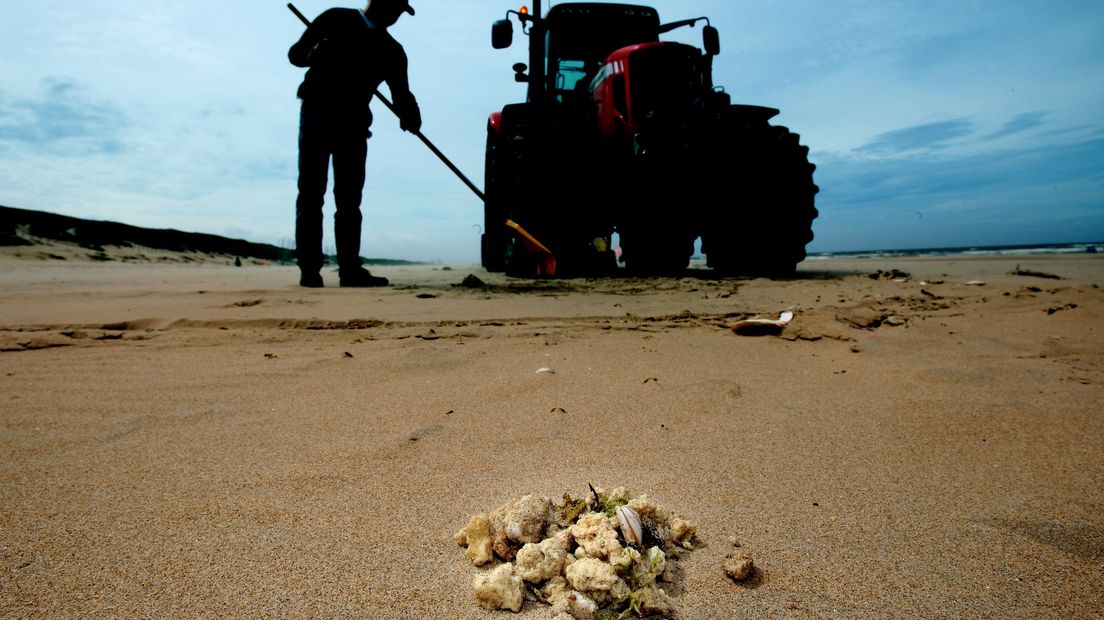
<point x="604" y="555"/>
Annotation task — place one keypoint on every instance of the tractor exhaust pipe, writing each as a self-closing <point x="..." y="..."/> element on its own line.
<point x="536" y="55"/>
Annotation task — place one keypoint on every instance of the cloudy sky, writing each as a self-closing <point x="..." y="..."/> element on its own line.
<point x="933" y="124"/>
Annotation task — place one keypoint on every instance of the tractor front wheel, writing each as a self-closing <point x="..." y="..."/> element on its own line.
<point x="495" y="241"/>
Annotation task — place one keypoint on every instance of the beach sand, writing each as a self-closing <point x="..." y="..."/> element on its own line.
<point x="204" y="440"/>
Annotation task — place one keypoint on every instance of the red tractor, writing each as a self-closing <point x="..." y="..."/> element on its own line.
<point x="624" y="133"/>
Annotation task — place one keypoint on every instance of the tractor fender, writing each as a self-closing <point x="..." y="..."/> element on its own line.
<point x="753" y="114"/>
<point x="514" y="121"/>
<point x="494" y="123"/>
<point x="516" y="117"/>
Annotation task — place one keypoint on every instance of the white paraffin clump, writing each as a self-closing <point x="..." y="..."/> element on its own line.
<point x="609" y="551"/>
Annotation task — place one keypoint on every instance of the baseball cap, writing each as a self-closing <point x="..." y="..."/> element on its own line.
<point x="394" y="4"/>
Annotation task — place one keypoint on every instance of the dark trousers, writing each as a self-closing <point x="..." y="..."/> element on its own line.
<point x="325" y="134"/>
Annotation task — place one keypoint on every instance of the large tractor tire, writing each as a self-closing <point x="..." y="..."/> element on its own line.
<point x="493" y="246"/>
<point x="770" y="180"/>
<point x="510" y="194"/>
<point x="536" y="177"/>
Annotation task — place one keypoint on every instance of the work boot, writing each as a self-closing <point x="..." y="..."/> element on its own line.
<point x="361" y="277"/>
<point x="310" y="279"/>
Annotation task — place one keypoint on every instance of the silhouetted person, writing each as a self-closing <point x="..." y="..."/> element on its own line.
<point x="349" y="53"/>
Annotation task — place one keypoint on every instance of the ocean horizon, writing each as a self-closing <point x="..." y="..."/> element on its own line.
<point x="991" y="250"/>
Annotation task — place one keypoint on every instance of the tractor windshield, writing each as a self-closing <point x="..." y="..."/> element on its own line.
<point x="570" y="74"/>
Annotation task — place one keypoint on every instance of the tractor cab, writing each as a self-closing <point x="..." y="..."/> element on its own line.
<point x="570" y="43"/>
<point x="580" y="37"/>
<point x="610" y="54"/>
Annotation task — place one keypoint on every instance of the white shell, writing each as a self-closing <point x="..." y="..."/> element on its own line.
<point x="762" y="326"/>
<point x="630" y="525"/>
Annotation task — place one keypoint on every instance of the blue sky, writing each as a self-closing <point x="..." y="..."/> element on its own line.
<point x="932" y="123"/>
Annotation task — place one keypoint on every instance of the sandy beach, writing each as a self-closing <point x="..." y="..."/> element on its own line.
<point x="183" y="440"/>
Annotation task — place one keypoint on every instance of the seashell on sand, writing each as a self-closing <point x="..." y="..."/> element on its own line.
<point x="631" y="529"/>
<point x="759" y="327"/>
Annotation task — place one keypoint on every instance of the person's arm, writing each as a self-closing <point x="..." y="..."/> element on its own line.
<point x="301" y="53"/>
<point x="410" y="116"/>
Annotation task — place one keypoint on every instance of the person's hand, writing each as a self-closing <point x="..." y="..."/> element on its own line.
<point x="411" y="121"/>
<point x="319" y="51"/>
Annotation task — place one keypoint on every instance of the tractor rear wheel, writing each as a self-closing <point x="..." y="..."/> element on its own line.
<point x="765" y="231"/>
<point x="495" y="240"/>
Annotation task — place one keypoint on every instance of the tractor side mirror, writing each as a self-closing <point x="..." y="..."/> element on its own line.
<point x="519" y="72"/>
<point x="711" y="40"/>
<point x="502" y="34"/>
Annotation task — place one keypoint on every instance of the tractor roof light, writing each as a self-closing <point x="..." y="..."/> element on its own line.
<point x="524" y="15"/>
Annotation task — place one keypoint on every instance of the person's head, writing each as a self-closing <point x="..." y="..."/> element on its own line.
<point x="386" y="12"/>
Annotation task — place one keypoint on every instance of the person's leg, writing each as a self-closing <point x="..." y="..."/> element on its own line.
<point x="350" y="148"/>
<point x="314" y="162"/>
<point x="348" y="161"/>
